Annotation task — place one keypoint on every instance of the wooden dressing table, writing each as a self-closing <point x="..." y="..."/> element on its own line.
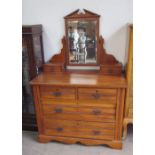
<point x="84" y="106"/>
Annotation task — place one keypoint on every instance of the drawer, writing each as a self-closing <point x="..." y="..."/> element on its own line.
<point x="96" y="94"/>
<point x="57" y="93"/>
<point x="60" y="127"/>
<point x="79" y="129"/>
<point x="79" y="113"/>
<point x="94" y="130"/>
<point x="60" y="112"/>
<point x="97" y="114"/>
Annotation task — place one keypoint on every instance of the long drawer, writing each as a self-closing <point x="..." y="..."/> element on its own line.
<point x="57" y="92"/>
<point x="106" y="114"/>
<point x="80" y="129"/>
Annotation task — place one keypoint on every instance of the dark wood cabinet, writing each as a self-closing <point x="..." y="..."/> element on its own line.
<point x="32" y="61"/>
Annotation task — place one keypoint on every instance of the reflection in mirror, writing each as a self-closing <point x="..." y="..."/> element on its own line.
<point x="82" y="42"/>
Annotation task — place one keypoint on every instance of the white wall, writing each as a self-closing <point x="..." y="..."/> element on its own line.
<point x="115" y="14"/>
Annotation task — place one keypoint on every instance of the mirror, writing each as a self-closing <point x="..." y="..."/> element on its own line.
<point x="82" y="41"/>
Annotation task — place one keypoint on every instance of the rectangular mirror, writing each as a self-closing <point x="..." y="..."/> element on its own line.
<point x="82" y="41"/>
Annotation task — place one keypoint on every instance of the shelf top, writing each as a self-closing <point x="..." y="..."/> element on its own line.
<point x="80" y="80"/>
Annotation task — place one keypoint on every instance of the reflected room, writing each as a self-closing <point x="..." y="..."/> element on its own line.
<point x="82" y="42"/>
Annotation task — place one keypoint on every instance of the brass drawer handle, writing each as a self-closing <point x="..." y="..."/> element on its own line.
<point x="59" y="129"/>
<point x="95" y="132"/>
<point x="58" y="110"/>
<point x="57" y="94"/>
<point x="96" y="112"/>
<point x="96" y="95"/>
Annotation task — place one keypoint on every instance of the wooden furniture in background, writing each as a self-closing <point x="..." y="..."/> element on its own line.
<point x="32" y="60"/>
<point x="128" y="115"/>
<point x="80" y="105"/>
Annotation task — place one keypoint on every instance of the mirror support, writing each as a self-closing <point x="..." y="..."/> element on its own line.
<point x="107" y="63"/>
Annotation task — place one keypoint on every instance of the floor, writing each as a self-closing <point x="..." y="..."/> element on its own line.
<point x="32" y="147"/>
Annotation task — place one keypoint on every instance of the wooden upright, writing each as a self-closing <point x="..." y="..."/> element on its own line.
<point x="128" y="112"/>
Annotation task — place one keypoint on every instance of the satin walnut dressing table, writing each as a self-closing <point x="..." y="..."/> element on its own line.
<point x="76" y="105"/>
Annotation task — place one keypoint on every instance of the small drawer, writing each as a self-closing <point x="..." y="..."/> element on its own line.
<point x="97" y="114"/>
<point x="94" y="130"/>
<point x="96" y="94"/>
<point x="60" y="112"/>
<point x="60" y="127"/>
<point x="57" y="93"/>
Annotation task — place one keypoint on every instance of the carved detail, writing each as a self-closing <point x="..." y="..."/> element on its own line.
<point x="60" y="58"/>
<point x="82" y="14"/>
<point x="107" y="62"/>
<point x="88" y="142"/>
<point x="104" y="57"/>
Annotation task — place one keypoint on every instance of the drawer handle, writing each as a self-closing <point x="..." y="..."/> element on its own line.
<point x="57" y="94"/>
<point x="95" y="132"/>
<point x="110" y="71"/>
<point x="59" y="129"/>
<point x="96" y="112"/>
<point x="58" y="110"/>
<point x="96" y="95"/>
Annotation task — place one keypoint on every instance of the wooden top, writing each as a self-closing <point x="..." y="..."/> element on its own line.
<point x="82" y="80"/>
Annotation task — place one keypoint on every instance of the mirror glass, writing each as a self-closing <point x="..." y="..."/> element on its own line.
<point x="82" y="42"/>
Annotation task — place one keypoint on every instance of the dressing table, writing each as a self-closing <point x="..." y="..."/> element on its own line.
<point x="79" y="97"/>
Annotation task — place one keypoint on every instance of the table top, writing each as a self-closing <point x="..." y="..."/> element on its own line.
<point x="82" y="80"/>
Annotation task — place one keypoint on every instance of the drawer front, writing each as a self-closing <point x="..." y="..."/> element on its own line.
<point x="96" y="94"/>
<point x="97" y="114"/>
<point x="79" y="113"/>
<point x="96" y="130"/>
<point x="60" y="127"/>
<point x="79" y="129"/>
<point x="57" y="93"/>
<point x="60" y="112"/>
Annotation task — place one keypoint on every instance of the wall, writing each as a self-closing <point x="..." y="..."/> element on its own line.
<point x="115" y="14"/>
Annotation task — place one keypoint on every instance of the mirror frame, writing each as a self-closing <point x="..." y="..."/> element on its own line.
<point x="84" y="15"/>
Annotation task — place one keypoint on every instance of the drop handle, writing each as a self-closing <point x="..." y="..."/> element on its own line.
<point x="58" y="110"/>
<point x="57" y="94"/>
<point x="95" y="132"/>
<point x="59" y="129"/>
<point x="96" y="95"/>
<point x="96" y="112"/>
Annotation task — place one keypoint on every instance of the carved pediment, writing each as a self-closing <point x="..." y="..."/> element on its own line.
<point x="82" y="14"/>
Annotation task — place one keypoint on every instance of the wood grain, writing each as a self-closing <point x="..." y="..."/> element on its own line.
<point x="128" y="112"/>
<point x="81" y="107"/>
